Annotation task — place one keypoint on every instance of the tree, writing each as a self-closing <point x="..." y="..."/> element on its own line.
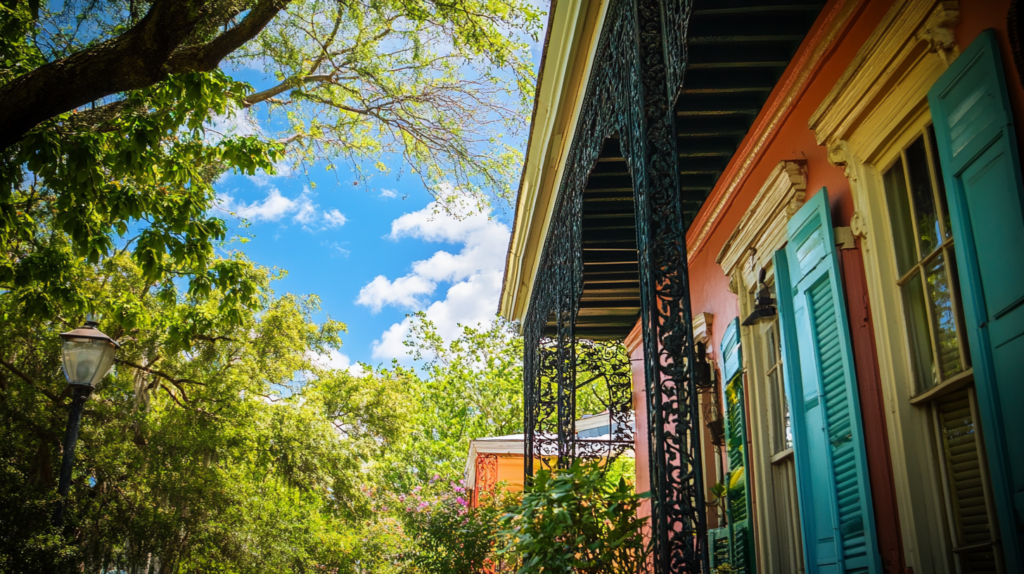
<point x="120" y="50"/>
<point x="110" y="131"/>
<point x="230" y="449"/>
<point x="448" y="535"/>
<point x="469" y="387"/>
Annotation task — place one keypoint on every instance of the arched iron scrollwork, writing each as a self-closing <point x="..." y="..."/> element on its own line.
<point x="602" y="371"/>
<point x="639" y="67"/>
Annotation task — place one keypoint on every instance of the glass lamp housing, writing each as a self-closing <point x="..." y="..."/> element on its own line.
<point x="87" y="355"/>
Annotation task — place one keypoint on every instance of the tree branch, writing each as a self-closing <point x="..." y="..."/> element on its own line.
<point x="139" y="58"/>
<point x="284" y="87"/>
<point x="10" y="367"/>
<point x="160" y="374"/>
<point x="206" y="57"/>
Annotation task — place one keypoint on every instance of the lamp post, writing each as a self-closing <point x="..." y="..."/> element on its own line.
<point x="86" y="354"/>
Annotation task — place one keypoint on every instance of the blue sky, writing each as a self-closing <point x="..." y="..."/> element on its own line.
<point x="372" y="255"/>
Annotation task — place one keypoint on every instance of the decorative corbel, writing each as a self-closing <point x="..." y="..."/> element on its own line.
<point x="839" y="156"/>
<point x="702" y="328"/>
<point x="734" y="284"/>
<point x="939" y="30"/>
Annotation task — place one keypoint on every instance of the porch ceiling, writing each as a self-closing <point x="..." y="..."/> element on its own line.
<point x="738" y="49"/>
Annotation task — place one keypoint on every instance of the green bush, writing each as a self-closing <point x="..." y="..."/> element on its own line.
<point x="577" y="521"/>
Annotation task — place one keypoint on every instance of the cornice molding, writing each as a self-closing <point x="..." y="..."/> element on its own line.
<point x="574" y="27"/>
<point x="702" y="328"/>
<point x="771" y="119"/>
<point x="911" y="30"/>
<point x="763" y="227"/>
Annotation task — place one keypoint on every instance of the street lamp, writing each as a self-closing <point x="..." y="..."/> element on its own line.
<point x="87" y="355"/>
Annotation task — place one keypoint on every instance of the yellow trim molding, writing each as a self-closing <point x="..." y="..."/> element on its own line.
<point x="574" y="29"/>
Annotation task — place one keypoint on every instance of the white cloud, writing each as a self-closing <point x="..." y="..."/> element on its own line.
<point x="388" y="193"/>
<point x="273" y="207"/>
<point x="334" y="218"/>
<point x="469" y="302"/>
<point x="333" y="246"/>
<point x="475" y="274"/>
<point x="236" y="122"/>
<point x="333" y="359"/>
<point x="263" y="179"/>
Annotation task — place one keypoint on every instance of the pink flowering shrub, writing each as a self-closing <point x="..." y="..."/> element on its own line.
<point x="448" y="535"/>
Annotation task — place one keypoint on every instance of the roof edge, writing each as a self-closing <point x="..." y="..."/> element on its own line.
<point x="575" y="26"/>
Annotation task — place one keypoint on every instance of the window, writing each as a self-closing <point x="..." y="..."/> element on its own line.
<point x="926" y="266"/>
<point x="782" y="431"/>
<point x="784" y="510"/>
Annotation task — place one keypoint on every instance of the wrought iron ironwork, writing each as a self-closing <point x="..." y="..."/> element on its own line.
<point x="638" y="70"/>
<point x="600" y="368"/>
<point x="486" y="476"/>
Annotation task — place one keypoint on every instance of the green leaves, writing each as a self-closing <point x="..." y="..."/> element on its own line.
<point x="436" y="88"/>
<point x="218" y="442"/>
<point x="75" y="190"/>
<point x="447" y="534"/>
<point x="576" y="521"/>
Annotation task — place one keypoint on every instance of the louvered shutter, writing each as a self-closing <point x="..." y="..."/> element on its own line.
<point x="981" y="168"/>
<point x="832" y="479"/>
<point x="960" y="449"/>
<point x="737" y="481"/>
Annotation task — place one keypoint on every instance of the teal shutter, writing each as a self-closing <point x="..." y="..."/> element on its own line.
<point x="832" y="476"/>
<point x="981" y="169"/>
<point x="718" y="543"/>
<point x="738" y="486"/>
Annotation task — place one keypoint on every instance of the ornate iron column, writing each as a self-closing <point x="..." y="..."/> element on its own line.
<point x="638" y="70"/>
<point x="672" y="405"/>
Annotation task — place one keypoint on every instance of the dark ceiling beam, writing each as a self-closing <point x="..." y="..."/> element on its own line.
<point x="728" y="54"/>
<point x="594" y="256"/>
<point x="746" y="63"/>
<point x="698" y="165"/>
<point x="744" y="39"/>
<point x="705" y="148"/>
<point x="610" y="182"/>
<point x="608" y="268"/>
<point x="698" y="127"/>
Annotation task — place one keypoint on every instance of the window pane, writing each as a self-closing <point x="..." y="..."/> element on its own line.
<point x="958" y="306"/>
<point x="787" y="427"/>
<point x="920" y="339"/>
<point x="781" y="428"/>
<point x="941" y="301"/>
<point x="899" y="212"/>
<point x="772" y="345"/>
<point x="928" y="233"/>
<point x="944" y="205"/>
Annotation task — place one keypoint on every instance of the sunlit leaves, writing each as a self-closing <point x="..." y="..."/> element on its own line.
<point x="139" y="180"/>
<point x="435" y="87"/>
<point x="218" y="442"/>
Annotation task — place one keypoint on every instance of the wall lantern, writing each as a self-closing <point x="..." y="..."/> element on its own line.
<point x="764" y="304"/>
